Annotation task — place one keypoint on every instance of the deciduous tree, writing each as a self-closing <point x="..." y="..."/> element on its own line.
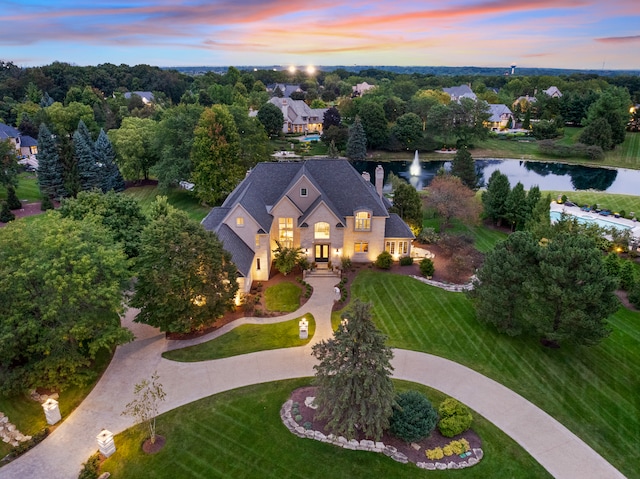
<point x="355" y="392"/>
<point x="186" y="280"/>
<point x="451" y="199"/>
<point x="271" y="118"/>
<point x="215" y="154"/>
<point x="60" y="295"/>
<point x="133" y="143"/>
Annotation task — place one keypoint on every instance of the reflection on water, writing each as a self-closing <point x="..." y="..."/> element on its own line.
<point x="548" y="176"/>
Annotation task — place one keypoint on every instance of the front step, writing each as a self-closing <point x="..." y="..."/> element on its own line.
<point x="321" y="273"/>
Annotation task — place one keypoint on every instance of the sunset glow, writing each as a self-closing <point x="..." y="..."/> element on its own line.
<point x="586" y="34"/>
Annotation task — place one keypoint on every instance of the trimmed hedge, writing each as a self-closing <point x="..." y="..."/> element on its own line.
<point x="455" y="417"/>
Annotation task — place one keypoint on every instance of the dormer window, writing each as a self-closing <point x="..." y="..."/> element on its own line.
<point x="363" y="221"/>
<point x="303" y="192"/>
<point x="239" y="222"/>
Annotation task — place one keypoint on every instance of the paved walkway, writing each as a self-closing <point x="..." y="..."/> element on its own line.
<point x="61" y="455"/>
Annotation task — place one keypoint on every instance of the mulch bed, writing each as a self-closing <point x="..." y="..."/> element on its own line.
<point x="414" y="455"/>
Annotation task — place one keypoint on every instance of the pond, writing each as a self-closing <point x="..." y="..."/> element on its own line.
<point x="548" y="176"/>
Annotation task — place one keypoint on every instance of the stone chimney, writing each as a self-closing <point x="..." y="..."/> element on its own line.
<point x="366" y="176"/>
<point x="379" y="179"/>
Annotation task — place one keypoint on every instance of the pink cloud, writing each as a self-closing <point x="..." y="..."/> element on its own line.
<point x="629" y="39"/>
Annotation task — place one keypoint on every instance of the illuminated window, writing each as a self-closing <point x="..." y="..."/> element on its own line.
<point x="257" y="263"/>
<point x="239" y="221"/>
<point x="403" y="247"/>
<point x="321" y="231"/>
<point x="363" y="221"/>
<point x="361" y="247"/>
<point x="257" y="241"/>
<point x="285" y="232"/>
<point x="303" y="192"/>
<point x="390" y="247"/>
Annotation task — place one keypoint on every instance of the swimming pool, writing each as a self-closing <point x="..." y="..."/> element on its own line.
<point x="590" y="218"/>
<point x="310" y="138"/>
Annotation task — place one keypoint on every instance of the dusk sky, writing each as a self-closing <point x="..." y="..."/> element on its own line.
<point x="585" y="34"/>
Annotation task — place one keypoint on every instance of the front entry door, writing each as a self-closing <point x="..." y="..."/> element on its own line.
<point x="322" y="253"/>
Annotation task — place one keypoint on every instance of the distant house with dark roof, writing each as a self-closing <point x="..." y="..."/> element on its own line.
<point x="286" y="89"/>
<point x="10" y="133"/>
<point x="458" y="92"/>
<point x="147" y="96"/>
<point x="500" y="117"/>
<point x="323" y="206"/>
<point x="298" y="116"/>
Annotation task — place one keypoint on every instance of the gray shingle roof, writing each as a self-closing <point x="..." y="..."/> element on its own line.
<point x="497" y="111"/>
<point x="28" y="141"/>
<point x="396" y="228"/>
<point x="241" y="253"/>
<point x="462" y="91"/>
<point x="7" y="132"/>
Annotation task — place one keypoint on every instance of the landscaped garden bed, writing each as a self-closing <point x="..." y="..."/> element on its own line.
<point x="433" y="452"/>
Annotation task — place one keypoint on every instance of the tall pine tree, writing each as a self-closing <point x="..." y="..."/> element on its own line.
<point x="87" y="168"/>
<point x="357" y="143"/>
<point x="355" y="391"/>
<point x="494" y="199"/>
<point x="110" y="176"/>
<point x="50" y="169"/>
<point x="464" y="168"/>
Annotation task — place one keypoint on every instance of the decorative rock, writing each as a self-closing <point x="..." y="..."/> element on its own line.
<point x="472" y="461"/>
<point x="452" y="465"/>
<point x="4" y="419"/>
<point x="310" y="434"/>
<point x="300" y="430"/>
<point x="479" y="453"/>
<point x="354" y="443"/>
<point x="318" y="436"/>
<point x="463" y="464"/>
<point x="11" y="427"/>
<point x="415" y="446"/>
<point x="342" y="440"/>
<point x="368" y="444"/>
<point x="310" y="402"/>
<point x="55" y="396"/>
<point x="441" y="465"/>
<point x="430" y="466"/>
<point x="399" y="457"/>
<point x="104" y="475"/>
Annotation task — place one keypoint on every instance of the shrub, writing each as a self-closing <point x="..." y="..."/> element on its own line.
<point x="455" y="417"/>
<point x="6" y="214"/>
<point x="458" y="447"/>
<point x="428" y="236"/>
<point x="627" y="275"/>
<point x="447" y="450"/>
<point x="307" y="425"/>
<point x="384" y="260"/>
<point x="634" y="294"/>
<point x="406" y="261"/>
<point x="426" y="267"/>
<point x="298" y="418"/>
<point x="435" y="454"/>
<point x="413" y="417"/>
<point x="345" y="262"/>
<point x="46" y="204"/>
<point x="12" y="199"/>
<point x="91" y="468"/>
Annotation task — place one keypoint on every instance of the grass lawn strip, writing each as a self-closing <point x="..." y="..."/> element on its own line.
<point x="247" y="338"/>
<point x="592" y="391"/>
<point x="239" y="433"/>
<point x="181" y="199"/>
<point x="609" y="201"/>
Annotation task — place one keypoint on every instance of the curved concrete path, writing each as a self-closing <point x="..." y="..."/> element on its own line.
<point x="61" y="455"/>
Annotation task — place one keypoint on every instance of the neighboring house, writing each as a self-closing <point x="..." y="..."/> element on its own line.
<point x="553" y="92"/>
<point x="10" y="133"/>
<point x="361" y="88"/>
<point x="500" y="117"/>
<point x="298" y="116"/>
<point x="286" y="89"/>
<point x="147" y="96"/>
<point x="28" y="146"/>
<point x="524" y="102"/>
<point x="323" y="206"/>
<point x="458" y="92"/>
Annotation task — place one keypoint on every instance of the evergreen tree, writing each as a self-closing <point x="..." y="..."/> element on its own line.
<point x="494" y="199"/>
<point x="355" y="392"/>
<point x="463" y="166"/>
<point x="357" y="143"/>
<point x="86" y="167"/>
<point x="12" y="199"/>
<point x="50" y="168"/>
<point x="408" y="205"/>
<point x="332" y="151"/>
<point x="110" y="176"/>
<point x="516" y="208"/>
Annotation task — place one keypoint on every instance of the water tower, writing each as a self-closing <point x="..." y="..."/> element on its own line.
<point x="513" y="68"/>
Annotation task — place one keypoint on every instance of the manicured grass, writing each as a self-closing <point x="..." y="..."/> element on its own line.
<point x="484" y="237"/>
<point x="181" y="199"/>
<point x="27" y="188"/>
<point x="28" y="415"/>
<point x="610" y="201"/>
<point x="591" y="390"/>
<point x="284" y="297"/>
<point x="245" y="339"/>
<point x="239" y="434"/>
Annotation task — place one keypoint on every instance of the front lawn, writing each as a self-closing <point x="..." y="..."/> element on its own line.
<point x="27" y="188"/>
<point x="283" y="297"/>
<point x="592" y="391"/>
<point x="239" y="434"/>
<point x="245" y="339"/>
<point x="484" y="237"/>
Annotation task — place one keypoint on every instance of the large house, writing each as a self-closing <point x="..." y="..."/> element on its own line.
<point x="323" y="206"/>
<point x="501" y="117"/>
<point x="298" y="116"/>
<point x="10" y="133"/>
<point x="458" y="92"/>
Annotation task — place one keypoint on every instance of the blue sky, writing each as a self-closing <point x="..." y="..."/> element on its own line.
<point x="531" y="33"/>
